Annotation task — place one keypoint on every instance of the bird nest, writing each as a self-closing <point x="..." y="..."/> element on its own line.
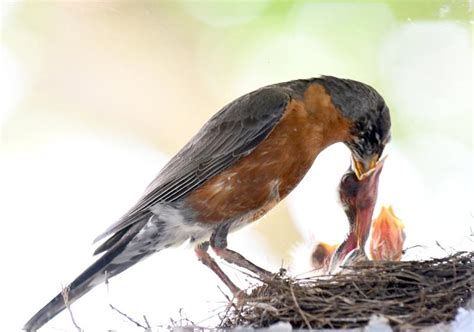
<point x="410" y="294"/>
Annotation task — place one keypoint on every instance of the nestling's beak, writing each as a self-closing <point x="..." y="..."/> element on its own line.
<point x="359" y="197"/>
<point x="361" y="167"/>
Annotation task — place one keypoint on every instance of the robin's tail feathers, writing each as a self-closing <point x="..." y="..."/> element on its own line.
<point x="91" y="277"/>
<point x="59" y="303"/>
<point x="108" y="265"/>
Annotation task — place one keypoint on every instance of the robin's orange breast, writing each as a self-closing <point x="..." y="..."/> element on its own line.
<point x="258" y="181"/>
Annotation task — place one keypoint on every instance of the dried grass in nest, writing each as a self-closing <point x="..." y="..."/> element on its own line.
<point x="410" y="294"/>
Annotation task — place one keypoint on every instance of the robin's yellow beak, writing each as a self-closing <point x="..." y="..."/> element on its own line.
<point x="361" y="167"/>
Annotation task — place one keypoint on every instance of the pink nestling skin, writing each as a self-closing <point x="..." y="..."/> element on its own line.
<point x="388" y="236"/>
<point x="358" y="198"/>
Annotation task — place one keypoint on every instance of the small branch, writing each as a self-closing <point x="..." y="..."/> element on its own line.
<point x="146" y="321"/>
<point x="146" y="328"/>
<point x="306" y="321"/>
<point x="129" y="318"/>
<point x="65" y="294"/>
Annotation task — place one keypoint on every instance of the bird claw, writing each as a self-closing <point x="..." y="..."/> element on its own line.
<point x="267" y="275"/>
<point x="240" y="298"/>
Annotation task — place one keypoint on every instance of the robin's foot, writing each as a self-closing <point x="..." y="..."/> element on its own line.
<point x="240" y="298"/>
<point x="206" y="259"/>
<point x="235" y="258"/>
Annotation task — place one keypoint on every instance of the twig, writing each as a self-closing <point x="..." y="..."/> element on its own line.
<point x="146" y="321"/>
<point x="128" y="317"/>
<point x="65" y="294"/>
<point x="146" y="328"/>
<point x="308" y="325"/>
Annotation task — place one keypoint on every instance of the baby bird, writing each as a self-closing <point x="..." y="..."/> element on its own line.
<point x="387" y="237"/>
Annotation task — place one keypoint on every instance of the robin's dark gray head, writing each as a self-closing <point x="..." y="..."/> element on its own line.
<point x="369" y="116"/>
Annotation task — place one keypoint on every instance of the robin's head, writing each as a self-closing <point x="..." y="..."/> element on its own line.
<point x="369" y="117"/>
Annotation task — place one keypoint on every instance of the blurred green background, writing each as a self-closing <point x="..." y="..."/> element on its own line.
<point x="154" y="71"/>
<point x="127" y="81"/>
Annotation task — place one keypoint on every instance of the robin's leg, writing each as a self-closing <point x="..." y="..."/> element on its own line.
<point x="206" y="259"/>
<point x="219" y="245"/>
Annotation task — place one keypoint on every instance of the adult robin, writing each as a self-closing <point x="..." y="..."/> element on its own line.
<point x="240" y="164"/>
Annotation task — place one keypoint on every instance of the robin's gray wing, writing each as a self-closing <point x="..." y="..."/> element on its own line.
<point x="229" y="135"/>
